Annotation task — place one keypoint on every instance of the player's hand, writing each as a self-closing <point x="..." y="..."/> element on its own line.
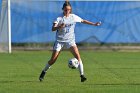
<point x="98" y="24"/>
<point x="62" y="26"/>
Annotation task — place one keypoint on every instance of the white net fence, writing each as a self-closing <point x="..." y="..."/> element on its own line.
<point x="4" y="36"/>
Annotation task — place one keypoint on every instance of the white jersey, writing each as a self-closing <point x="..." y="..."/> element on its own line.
<point x="67" y="33"/>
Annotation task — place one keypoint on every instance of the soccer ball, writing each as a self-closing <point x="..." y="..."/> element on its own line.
<point x="73" y="63"/>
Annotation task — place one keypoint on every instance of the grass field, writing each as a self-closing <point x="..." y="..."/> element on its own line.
<point x="107" y="72"/>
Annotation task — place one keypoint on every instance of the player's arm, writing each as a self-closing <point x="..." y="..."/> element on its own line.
<point x="56" y="27"/>
<point x="91" y="23"/>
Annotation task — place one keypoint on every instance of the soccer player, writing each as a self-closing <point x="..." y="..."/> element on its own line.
<point x="64" y="25"/>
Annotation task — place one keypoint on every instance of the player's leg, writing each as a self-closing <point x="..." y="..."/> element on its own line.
<point x="56" y="51"/>
<point x="53" y="59"/>
<point x="74" y="50"/>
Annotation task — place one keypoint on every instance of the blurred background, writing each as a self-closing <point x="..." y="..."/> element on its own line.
<point x="31" y="22"/>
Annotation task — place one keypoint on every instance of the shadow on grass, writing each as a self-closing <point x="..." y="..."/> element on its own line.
<point x="94" y="84"/>
<point x="18" y="81"/>
<point x="115" y="84"/>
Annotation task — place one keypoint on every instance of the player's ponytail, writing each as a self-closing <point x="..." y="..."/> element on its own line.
<point x="67" y="3"/>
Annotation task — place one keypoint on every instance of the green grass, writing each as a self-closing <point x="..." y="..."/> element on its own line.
<point x="107" y="72"/>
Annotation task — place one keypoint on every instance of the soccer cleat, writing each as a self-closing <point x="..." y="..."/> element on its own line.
<point x="83" y="78"/>
<point x="42" y="76"/>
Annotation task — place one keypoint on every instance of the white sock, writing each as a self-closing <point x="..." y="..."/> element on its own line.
<point x="47" y="67"/>
<point x="80" y="67"/>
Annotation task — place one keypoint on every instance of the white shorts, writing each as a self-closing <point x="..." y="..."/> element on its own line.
<point x="59" y="45"/>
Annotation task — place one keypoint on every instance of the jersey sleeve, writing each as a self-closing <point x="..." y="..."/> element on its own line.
<point x="77" y="18"/>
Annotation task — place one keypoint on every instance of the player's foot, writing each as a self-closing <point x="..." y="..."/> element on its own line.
<point x="41" y="77"/>
<point x="83" y="78"/>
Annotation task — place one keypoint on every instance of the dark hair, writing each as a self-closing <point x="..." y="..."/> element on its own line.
<point x="67" y="3"/>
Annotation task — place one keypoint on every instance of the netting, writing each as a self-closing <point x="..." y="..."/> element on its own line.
<point x="32" y="20"/>
<point x="4" y="35"/>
